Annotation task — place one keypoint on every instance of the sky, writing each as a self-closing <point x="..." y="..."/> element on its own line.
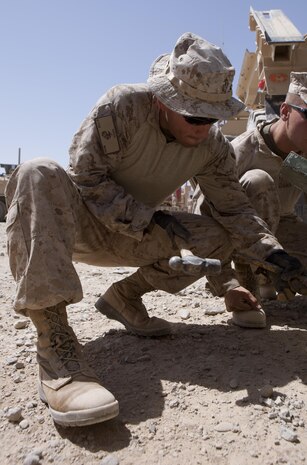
<point x="59" y="56"/>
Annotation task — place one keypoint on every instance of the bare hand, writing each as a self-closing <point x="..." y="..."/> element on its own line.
<point x="240" y="299"/>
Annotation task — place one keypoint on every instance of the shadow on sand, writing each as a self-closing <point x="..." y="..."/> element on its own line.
<point x="134" y="368"/>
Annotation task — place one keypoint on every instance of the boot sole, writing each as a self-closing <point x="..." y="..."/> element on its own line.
<point x="110" y="312"/>
<point x="81" y="417"/>
<point x="260" y="324"/>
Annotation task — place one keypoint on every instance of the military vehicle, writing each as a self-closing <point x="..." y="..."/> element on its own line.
<point x="3" y="182"/>
<point x="265" y="73"/>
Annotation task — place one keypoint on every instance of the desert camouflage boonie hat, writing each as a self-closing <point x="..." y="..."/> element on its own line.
<point x="298" y="85"/>
<point x="195" y="79"/>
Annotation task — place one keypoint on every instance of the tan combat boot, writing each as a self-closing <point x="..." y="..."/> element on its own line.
<point x="123" y="302"/>
<point x="66" y="383"/>
<point x="249" y="318"/>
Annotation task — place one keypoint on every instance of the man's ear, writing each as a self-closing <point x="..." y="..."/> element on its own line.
<point x="284" y="111"/>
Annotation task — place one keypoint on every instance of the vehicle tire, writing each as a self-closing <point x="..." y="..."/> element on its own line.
<point x="3" y="211"/>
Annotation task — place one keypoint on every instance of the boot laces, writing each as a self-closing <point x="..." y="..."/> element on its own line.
<point x="64" y="342"/>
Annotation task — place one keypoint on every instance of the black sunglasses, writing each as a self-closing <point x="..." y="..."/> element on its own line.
<point x="300" y="109"/>
<point x="199" y="121"/>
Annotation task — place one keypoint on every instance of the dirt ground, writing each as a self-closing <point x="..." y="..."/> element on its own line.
<point x="211" y="393"/>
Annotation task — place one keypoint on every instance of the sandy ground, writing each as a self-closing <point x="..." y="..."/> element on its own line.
<point x="195" y="397"/>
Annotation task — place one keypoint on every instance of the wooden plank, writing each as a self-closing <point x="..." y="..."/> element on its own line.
<point x="277" y="27"/>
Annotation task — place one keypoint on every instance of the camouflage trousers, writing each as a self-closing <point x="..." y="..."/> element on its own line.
<point x="290" y="230"/>
<point x="49" y="227"/>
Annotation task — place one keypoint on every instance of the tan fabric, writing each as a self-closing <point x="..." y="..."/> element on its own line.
<point x="195" y="79"/>
<point x="298" y="85"/>
<point x="292" y="234"/>
<point x="48" y="225"/>
<point x="261" y="190"/>
<point x="275" y="201"/>
<point x="252" y="153"/>
<point x="272" y="196"/>
<point x="122" y="188"/>
<point x="253" y="161"/>
<point x="99" y="213"/>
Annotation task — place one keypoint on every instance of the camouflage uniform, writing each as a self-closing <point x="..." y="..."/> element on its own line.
<point x="271" y="194"/>
<point x="99" y="211"/>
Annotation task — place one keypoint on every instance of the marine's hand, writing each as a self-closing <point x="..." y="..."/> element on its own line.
<point x="240" y="299"/>
<point x="171" y="225"/>
<point x="291" y="266"/>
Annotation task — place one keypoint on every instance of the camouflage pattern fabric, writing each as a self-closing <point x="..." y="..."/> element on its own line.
<point x="271" y="194"/>
<point x="99" y="212"/>
<point x="263" y="194"/>
<point x="195" y="79"/>
<point x="121" y="189"/>
<point x="252" y="153"/>
<point x="49" y="226"/>
<point x="292" y="233"/>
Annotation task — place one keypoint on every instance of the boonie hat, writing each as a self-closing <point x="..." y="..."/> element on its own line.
<point x="195" y="79"/>
<point x="298" y="85"/>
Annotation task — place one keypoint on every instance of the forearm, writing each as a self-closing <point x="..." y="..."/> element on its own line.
<point x="115" y="209"/>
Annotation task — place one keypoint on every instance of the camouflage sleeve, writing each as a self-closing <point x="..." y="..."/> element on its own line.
<point x="95" y="153"/>
<point x="229" y="204"/>
<point x="246" y="147"/>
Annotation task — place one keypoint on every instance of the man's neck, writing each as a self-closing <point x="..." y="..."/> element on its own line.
<point x="281" y="141"/>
